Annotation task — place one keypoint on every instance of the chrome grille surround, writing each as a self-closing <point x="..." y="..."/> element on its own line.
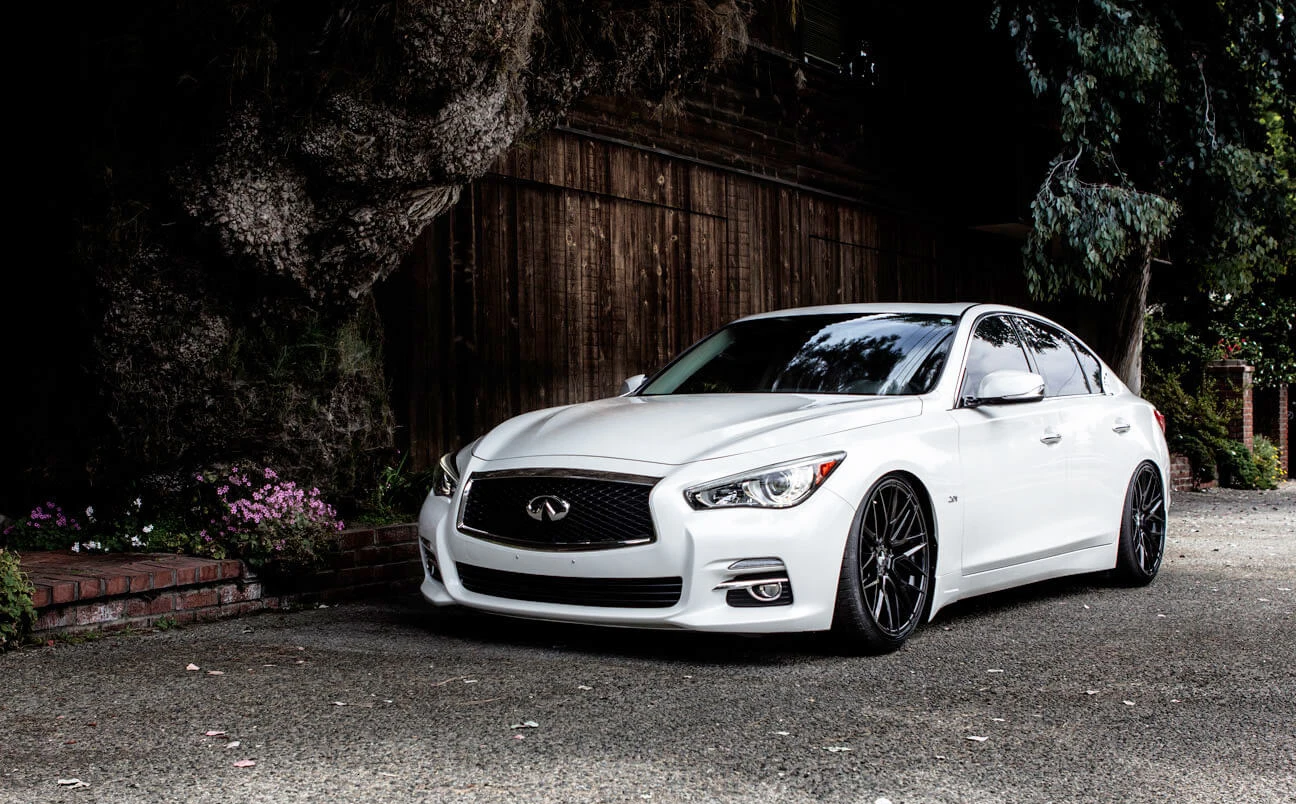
<point x="608" y="510"/>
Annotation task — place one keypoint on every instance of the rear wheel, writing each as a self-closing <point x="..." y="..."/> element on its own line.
<point x="1143" y="527"/>
<point x="885" y="582"/>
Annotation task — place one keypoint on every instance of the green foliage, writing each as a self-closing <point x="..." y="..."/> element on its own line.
<point x="1195" y="427"/>
<point x="16" y="611"/>
<point x="1173" y="134"/>
<point x="1261" y="325"/>
<point x="398" y="494"/>
<point x="1237" y="467"/>
<point x="1268" y="461"/>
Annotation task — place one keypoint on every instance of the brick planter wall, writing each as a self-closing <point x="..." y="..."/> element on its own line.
<point x="80" y="592"/>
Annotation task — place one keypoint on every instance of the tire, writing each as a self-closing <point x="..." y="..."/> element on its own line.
<point x="886" y="577"/>
<point x="1143" y="528"/>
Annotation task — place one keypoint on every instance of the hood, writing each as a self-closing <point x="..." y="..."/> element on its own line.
<point x="679" y="429"/>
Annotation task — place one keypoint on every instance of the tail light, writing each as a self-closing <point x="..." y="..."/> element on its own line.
<point x="1160" y="417"/>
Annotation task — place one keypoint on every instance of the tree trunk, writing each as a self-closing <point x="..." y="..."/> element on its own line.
<point x="1124" y="349"/>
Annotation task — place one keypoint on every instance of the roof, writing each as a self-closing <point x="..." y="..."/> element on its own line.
<point x="954" y="309"/>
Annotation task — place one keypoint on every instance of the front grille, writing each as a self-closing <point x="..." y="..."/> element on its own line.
<point x="601" y="512"/>
<point x="627" y="593"/>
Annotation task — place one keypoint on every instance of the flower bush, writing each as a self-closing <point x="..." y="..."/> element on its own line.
<point x="268" y="522"/>
<point x="271" y="523"/>
<point x="47" y="527"/>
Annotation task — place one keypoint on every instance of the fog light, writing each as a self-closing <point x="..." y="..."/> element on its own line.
<point x="430" y="561"/>
<point x="766" y="592"/>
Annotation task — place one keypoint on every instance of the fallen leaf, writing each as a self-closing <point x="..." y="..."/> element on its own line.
<point x="519" y="736"/>
<point x="526" y="724"/>
<point x="837" y="749"/>
<point x="583" y="687"/>
<point x="976" y="739"/>
<point x="215" y="672"/>
<point x="339" y="703"/>
<point x="1091" y="692"/>
<point x="881" y="800"/>
<point x="781" y="733"/>
<point x="998" y="720"/>
<point x="1086" y="606"/>
<point x="245" y="763"/>
<point x="1128" y="703"/>
<point x="470" y="681"/>
<point x="994" y="670"/>
<point x="213" y="733"/>
<point x="233" y="744"/>
<point x="72" y="784"/>
<point x="192" y="666"/>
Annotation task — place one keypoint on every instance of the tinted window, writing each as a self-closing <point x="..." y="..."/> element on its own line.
<point x="1056" y="359"/>
<point x="994" y="347"/>
<point x="1092" y="368"/>
<point x="885" y="353"/>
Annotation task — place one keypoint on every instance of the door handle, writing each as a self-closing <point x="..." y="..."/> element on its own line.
<point x="1050" y="438"/>
<point x="1121" y="426"/>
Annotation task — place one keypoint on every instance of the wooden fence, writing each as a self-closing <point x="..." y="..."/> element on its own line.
<point x="579" y="262"/>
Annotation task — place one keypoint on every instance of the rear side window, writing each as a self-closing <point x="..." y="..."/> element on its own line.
<point x="994" y="346"/>
<point x="1092" y="368"/>
<point x="1056" y="358"/>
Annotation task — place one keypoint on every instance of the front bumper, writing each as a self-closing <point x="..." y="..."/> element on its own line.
<point x="697" y="546"/>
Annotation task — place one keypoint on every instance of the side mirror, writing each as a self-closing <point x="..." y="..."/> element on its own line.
<point x="632" y="384"/>
<point x="1008" y="387"/>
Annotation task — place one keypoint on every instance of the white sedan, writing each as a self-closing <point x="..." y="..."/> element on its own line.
<point x="853" y="467"/>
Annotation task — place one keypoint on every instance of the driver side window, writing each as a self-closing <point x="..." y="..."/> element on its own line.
<point x="994" y="346"/>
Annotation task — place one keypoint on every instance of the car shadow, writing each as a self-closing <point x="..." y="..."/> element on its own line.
<point x="485" y="629"/>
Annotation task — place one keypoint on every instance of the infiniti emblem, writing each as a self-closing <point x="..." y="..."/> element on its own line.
<point x="547" y="508"/>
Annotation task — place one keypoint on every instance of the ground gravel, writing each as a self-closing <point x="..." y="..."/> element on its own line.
<point x="1182" y="691"/>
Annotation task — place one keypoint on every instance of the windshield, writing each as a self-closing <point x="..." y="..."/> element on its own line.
<point x="842" y="353"/>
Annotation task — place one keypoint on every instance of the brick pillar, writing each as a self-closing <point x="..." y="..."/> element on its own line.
<point x="1233" y="390"/>
<point x="1271" y="420"/>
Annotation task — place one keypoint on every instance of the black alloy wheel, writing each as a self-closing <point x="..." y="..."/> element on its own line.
<point x="886" y="576"/>
<point x="1143" y="527"/>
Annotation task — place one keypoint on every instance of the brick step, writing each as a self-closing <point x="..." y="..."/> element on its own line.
<point x="106" y="591"/>
<point x="66" y="577"/>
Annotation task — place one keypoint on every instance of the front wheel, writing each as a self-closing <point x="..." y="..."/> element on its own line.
<point x="1143" y="528"/>
<point x="886" y="573"/>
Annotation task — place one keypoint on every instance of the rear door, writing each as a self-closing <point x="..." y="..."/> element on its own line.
<point x="1014" y="462"/>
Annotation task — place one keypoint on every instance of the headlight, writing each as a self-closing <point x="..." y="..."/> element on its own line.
<point x="445" y="477"/>
<point x="780" y="486"/>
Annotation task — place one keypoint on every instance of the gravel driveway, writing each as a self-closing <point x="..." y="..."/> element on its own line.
<point x="1066" y="691"/>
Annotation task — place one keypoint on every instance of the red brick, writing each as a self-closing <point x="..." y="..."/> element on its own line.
<point x="209" y="572"/>
<point x="404" y="551"/>
<point x="355" y="576"/>
<point x="196" y="599"/>
<point x="396" y="534"/>
<point x="397" y="572"/>
<point x="115" y="585"/>
<point x="62" y="591"/>
<point x="186" y="574"/>
<point x="160" y="575"/>
<point x="139" y="580"/>
<point x="231" y="568"/>
<point x="145" y="607"/>
<point x="355" y="539"/>
<point x="53" y="618"/>
<point x="183" y="617"/>
<point x="100" y="612"/>
<point x="370" y="556"/>
<point x="41" y="596"/>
